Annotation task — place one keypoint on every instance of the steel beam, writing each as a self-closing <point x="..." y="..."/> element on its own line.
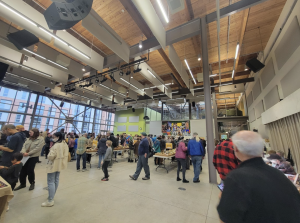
<point x="184" y="31"/>
<point x="207" y="99"/>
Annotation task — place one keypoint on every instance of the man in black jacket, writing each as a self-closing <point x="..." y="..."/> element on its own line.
<point x="255" y="192"/>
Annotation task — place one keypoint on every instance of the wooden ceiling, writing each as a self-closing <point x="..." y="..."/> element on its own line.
<point x="260" y="22"/>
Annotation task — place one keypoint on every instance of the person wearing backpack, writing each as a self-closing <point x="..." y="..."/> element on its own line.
<point x="131" y="150"/>
<point x="110" y="136"/>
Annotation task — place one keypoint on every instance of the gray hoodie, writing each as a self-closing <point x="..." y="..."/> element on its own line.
<point x="108" y="154"/>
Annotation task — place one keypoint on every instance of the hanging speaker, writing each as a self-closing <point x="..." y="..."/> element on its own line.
<point x="255" y="65"/>
<point x="193" y="104"/>
<point x="64" y="15"/>
<point x="22" y="39"/>
<point x="3" y="69"/>
<point x="133" y="109"/>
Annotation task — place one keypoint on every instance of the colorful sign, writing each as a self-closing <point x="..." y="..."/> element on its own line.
<point x="176" y="128"/>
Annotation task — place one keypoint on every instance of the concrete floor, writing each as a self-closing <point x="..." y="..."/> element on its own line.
<point x="83" y="197"/>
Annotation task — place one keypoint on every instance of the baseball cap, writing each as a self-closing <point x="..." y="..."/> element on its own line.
<point x="144" y="133"/>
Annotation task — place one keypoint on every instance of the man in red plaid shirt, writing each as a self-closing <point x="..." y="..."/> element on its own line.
<point x="224" y="158"/>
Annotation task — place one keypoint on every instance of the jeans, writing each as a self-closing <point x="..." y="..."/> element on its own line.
<point x="53" y="180"/>
<point x="142" y="163"/>
<point x="104" y="168"/>
<point x="101" y="157"/>
<point x="83" y="160"/>
<point x="196" y="160"/>
<point x="42" y="152"/>
<point x="181" y="163"/>
<point x="75" y="154"/>
<point x="28" y="170"/>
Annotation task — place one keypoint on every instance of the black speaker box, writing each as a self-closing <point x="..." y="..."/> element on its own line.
<point x="193" y="104"/>
<point x="255" y="65"/>
<point x="22" y="39"/>
<point x="3" y="69"/>
<point x="60" y="16"/>
<point x="133" y="109"/>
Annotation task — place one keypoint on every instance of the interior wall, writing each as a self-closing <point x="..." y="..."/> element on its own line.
<point x="280" y="67"/>
<point x="198" y="126"/>
<point x="128" y="113"/>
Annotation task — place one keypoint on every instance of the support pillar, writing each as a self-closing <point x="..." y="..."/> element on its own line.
<point x="207" y="99"/>
<point x="215" y="115"/>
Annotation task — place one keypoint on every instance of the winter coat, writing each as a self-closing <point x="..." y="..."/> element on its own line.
<point x="102" y="146"/>
<point x="58" y="157"/>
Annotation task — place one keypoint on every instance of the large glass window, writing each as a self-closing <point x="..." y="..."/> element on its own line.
<point x="5" y="104"/>
<point x="40" y="110"/>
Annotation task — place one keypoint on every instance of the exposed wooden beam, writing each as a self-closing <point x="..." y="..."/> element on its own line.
<point x="241" y="36"/>
<point x="139" y="20"/>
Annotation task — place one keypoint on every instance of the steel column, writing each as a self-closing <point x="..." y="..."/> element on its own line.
<point x="207" y="98"/>
<point x="34" y="111"/>
<point x="215" y="115"/>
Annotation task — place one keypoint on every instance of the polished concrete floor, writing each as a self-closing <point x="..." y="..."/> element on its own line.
<point x="83" y="197"/>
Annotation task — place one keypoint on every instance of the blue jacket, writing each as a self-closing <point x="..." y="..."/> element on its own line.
<point x="143" y="147"/>
<point x="195" y="148"/>
<point x="156" y="146"/>
<point x="75" y="145"/>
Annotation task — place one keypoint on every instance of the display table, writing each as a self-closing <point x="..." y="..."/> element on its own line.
<point x="164" y="157"/>
<point x="6" y="195"/>
<point x="120" y="149"/>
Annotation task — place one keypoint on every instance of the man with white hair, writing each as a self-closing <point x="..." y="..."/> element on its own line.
<point x="196" y="152"/>
<point x="255" y="192"/>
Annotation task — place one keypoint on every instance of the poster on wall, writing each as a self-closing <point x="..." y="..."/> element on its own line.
<point x="176" y="128"/>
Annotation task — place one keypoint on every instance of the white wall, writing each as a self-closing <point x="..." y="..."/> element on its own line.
<point x="272" y="92"/>
<point x="155" y="128"/>
<point x="198" y="126"/>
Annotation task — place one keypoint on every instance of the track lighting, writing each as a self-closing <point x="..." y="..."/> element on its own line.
<point x="121" y="73"/>
<point x="97" y="80"/>
<point x="141" y="44"/>
<point x="237" y="50"/>
<point x="128" y="72"/>
<point x="137" y="69"/>
<point x="112" y="77"/>
<point x="190" y="70"/>
<point x="234" y="86"/>
<point x="103" y="80"/>
<point x="163" y="11"/>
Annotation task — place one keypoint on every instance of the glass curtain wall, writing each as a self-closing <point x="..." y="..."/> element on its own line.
<point x="17" y="107"/>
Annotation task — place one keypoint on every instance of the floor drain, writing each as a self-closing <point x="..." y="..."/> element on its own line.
<point x="181" y="188"/>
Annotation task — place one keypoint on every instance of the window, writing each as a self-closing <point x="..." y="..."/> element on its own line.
<point x="6" y="90"/>
<point x="42" y="100"/>
<point x="18" y="120"/>
<point x="22" y="107"/>
<point x="5" y="104"/>
<point x="37" y="122"/>
<point x="63" y="113"/>
<point x="51" y="112"/>
<point x="40" y="110"/>
<point x="24" y="95"/>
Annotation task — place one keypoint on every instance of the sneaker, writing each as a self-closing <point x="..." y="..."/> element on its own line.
<point x="78" y="170"/>
<point x="132" y="177"/>
<point x="197" y="181"/>
<point x="48" y="204"/>
<point x="83" y="170"/>
<point x="185" y="181"/>
<point x="178" y="179"/>
<point x="146" y="178"/>
<point x="104" y="179"/>
<point x="98" y="168"/>
<point x="20" y="187"/>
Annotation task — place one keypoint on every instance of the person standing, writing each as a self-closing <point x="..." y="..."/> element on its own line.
<point x="111" y="137"/>
<point x="44" y="135"/>
<point x="89" y="146"/>
<point x="224" y="158"/>
<point x="75" y="148"/>
<point x="106" y="160"/>
<point x="131" y="150"/>
<point x="81" y="152"/>
<point x="32" y="148"/>
<point x="163" y="144"/>
<point x="136" y="148"/>
<point x="57" y="161"/>
<point x="101" y="149"/>
<point x="180" y="156"/>
<point x="71" y="144"/>
<point x="255" y="192"/>
<point x="47" y="144"/>
<point x="156" y="146"/>
<point x="143" y="159"/>
<point x="196" y="152"/>
<point x="14" y="145"/>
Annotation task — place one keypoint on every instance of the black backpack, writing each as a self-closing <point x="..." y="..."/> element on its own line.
<point x="114" y="141"/>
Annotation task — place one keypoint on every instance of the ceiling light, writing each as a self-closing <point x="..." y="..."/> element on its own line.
<point x="121" y="73"/>
<point x="141" y="44"/>
<point x="131" y="77"/>
<point x="137" y="69"/>
<point x="246" y="68"/>
<point x="79" y="52"/>
<point x="237" y="50"/>
<point x="163" y="11"/>
<point x="83" y="69"/>
<point x="24" y="78"/>
<point x="16" y="84"/>
<point x="168" y="84"/>
<point x="57" y="64"/>
<point x="232" y="73"/>
<point x="199" y="57"/>
<point x="190" y="71"/>
<point x="128" y="72"/>
<point x="235" y="86"/>
<point x="97" y="80"/>
<point x="18" y="14"/>
<point x="34" y="53"/>
<point x="54" y="36"/>
<point x="213" y="75"/>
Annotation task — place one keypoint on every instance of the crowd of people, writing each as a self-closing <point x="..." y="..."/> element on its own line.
<point x="250" y="179"/>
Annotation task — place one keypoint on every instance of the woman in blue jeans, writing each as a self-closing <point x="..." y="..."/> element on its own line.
<point x="57" y="161"/>
<point x="101" y="149"/>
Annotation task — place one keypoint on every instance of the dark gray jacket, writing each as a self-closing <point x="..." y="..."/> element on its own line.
<point x="102" y="146"/>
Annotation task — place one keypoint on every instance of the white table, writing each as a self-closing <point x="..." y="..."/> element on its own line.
<point x="164" y="161"/>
